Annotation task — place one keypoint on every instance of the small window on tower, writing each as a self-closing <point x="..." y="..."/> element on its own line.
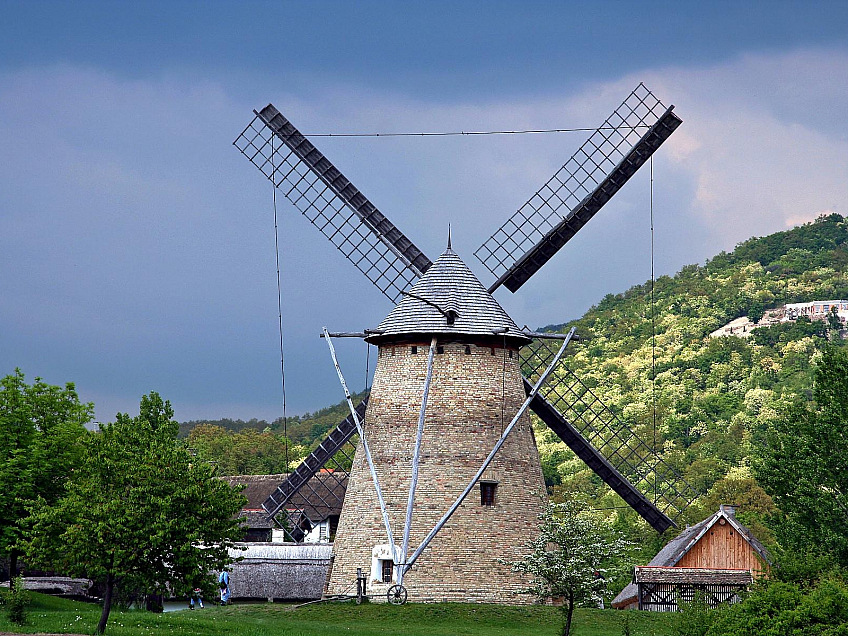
<point x="467" y="350"/>
<point x="414" y="350"/>
<point x="510" y="353"/>
<point x="440" y="349"/>
<point x="487" y="493"/>
<point x="387" y="570"/>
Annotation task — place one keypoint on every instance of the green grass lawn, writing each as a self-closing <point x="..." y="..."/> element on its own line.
<point x="53" y="615"/>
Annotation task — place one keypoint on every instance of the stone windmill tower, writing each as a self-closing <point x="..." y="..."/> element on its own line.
<point x="478" y="371"/>
<point x="476" y="388"/>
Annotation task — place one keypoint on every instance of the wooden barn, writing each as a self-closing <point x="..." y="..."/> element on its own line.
<point x="718" y="557"/>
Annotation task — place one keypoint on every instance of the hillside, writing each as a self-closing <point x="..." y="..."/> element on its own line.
<point x="302" y="429"/>
<point x="713" y="396"/>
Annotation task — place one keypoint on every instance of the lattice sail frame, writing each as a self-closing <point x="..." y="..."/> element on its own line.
<point x="318" y="496"/>
<point x="332" y="203"/>
<point x="304" y="493"/>
<point x="390" y="260"/>
<point x="640" y="464"/>
<point x="581" y="186"/>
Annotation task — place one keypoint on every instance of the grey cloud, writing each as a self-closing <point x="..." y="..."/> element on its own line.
<point x="140" y="243"/>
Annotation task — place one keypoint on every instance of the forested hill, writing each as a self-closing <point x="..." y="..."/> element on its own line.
<point x="713" y="395"/>
<point x="301" y="429"/>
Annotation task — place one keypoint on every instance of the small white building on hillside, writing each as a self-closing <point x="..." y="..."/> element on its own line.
<point x="817" y="309"/>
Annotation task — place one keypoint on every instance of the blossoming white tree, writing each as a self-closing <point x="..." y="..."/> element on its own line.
<point x="570" y="559"/>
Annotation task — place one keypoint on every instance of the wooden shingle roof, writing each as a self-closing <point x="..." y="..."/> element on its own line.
<point x="708" y="576"/>
<point x="448" y="299"/>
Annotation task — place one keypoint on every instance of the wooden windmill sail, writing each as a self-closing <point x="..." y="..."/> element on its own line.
<point x="611" y="155"/>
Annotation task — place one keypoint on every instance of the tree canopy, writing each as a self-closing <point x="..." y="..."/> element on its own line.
<point x="41" y="429"/>
<point x="715" y="397"/>
<point x="571" y="558"/>
<point x="140" y="513"/>
<point x="246" y="452"/>
<point x="802" y="464"/>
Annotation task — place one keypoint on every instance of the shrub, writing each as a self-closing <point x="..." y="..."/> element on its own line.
<point x="776" y="608"/>
<point x="696" y="617"/>
<point x="16" y="600"/>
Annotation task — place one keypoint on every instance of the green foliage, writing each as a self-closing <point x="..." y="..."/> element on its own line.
<point x="140" y="513"/>
<point x="311" y="428"/>
<point x="777" y="608"/>
<point x="40" y="429"/>
<point x="803" y="327"/>
<point x="247" y="452"/>
<point x="236" y="447"/>
<point x="696" y="617"/>
<point x="16" y="600"/>
<point x="833" y="320"/>
<point x="715" y="398"/>
<point x="802" y="465"/>
<point x="802" y="568"/>
<point x="756" y="507"/>
<point x="236" y="426"/>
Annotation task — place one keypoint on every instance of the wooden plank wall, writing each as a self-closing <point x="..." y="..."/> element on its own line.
<point x="722" y="547"/>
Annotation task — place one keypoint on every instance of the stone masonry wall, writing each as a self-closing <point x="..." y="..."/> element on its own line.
<point x="472" y="397"/>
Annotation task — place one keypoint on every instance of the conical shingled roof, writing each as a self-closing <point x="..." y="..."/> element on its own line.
<point x="448" y="287"/>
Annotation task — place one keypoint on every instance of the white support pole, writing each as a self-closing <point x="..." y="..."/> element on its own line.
<point x="415" y="457"/>
<point x="410" y="561"/>
<point x="361" y="431"/>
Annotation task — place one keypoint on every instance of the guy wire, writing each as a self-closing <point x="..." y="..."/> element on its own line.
<point x="503" y="383"/>
<point x="367" y="363"/>
<point x="653" y="334"/>
<point x="471" y="133"/>
<point x="279" y="301"/>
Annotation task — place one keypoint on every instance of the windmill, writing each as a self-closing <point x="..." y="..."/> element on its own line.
<point x="477" y="368"/>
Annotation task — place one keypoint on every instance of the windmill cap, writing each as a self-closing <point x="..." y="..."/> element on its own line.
<point x="448" y="299"/>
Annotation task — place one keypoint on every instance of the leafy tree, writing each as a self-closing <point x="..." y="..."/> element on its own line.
<point x="755" y="505"/>
<point x="40" y="431"/>
<point x="140" y="513"/>
<point x="756" y="311"/>
<point x="570" y="558"/>
<point x="17" y="599"/>
<point x="247" y="452"/>
<point x="802" y="465"/>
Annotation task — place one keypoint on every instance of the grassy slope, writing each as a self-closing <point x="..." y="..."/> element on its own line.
<point x="53" y="615"/>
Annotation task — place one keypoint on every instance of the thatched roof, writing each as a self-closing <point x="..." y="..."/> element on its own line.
<point x="279" y="571"/>
<point x="674" y="550"/>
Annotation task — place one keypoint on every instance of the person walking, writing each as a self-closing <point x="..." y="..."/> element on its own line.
<point x="224" y="585"/>
<point x="195" y="594"/>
